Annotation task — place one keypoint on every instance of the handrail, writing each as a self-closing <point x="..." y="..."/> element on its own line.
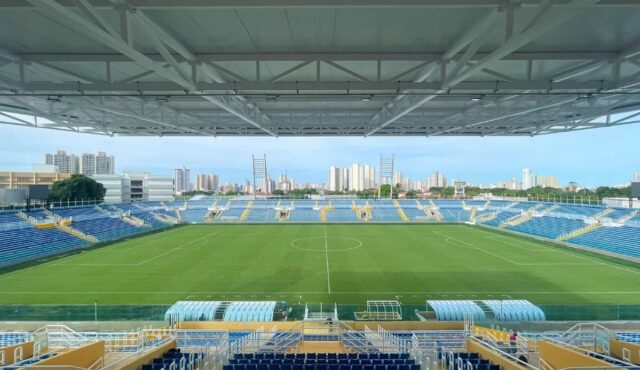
<point x="503" y="353"/>
<point x="590" y="353"/>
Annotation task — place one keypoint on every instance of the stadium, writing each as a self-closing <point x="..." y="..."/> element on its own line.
<point x="260" y="281"/>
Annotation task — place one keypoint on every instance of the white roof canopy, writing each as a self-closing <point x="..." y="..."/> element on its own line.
<point x="312" y="67"/>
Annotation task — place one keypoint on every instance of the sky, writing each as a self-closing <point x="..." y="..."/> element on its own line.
<point x="607" y="156"/>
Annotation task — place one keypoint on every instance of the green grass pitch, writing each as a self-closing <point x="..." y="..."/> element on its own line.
<point x="325" y="263"/>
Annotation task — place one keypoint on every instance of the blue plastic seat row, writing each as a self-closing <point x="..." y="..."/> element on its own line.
<point x="278" y="366"/>
<point x="329" y="361"/>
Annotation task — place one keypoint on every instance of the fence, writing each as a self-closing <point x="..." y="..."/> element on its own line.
<point x="149" y="312"/>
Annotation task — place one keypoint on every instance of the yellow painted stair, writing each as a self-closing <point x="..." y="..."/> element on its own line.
<point x="403" y="216"/>
<point x="77" y="233"/>
<point x="580" y="231"/>
<point x="247" y="211"/>
<point x="472" y="215"/>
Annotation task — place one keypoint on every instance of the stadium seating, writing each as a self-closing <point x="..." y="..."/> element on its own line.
<point x="465" y="360"/>
<point x="629" y="337"/>
<point x="9" y="217"/>
<point x="263" y="214"/>
<point x="548" y="227"/>
<point x="107" y="228"/>
<point x="21" y="245"/>
<point x="176" y="360"/>
<point x="193" y="215"/>
<point x="579" y="210"/>
<point x="300" y="214"/>
<point x="562" y="219"/>
<point x="322" y="361"/>
<point x="79" y="213"/>
<point x="621" y="240"/>
<point x="12" y="338"/>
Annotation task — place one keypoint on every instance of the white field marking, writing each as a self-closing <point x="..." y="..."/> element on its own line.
<point x="326" y="255"/>
<point x="141" y="244"/>
<point x="297" y="293"/>
<point x="293" y="244"/>
<point x="193" y="242"/>
<point x="202" y="239"/>
<point x="470" y="246"/>
<point x="575" y="254"/>
<point x="501" y="240"/>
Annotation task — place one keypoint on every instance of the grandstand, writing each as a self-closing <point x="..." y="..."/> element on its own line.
<point x="595" y="227"/>
<point x="330" y="282"/>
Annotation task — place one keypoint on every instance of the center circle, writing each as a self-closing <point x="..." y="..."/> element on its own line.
<point x="326" y="244"/>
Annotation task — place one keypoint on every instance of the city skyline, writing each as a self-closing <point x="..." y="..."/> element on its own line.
<point x="572" y="156"/>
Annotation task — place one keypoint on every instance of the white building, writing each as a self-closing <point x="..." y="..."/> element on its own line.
<point x="528" y="179"/>
<point x="87" y="164"/>
<point x="636" y="177"/>
<point x="361" y="177"/>
<point x="547" y="181"/>
<point x="333" y="183"/>
<point x="182" y="180"/>
<point x="66" y="163"/>
<point x="437" y="180"/>
<point x="136" y="187"/>
<point x="207" y="182"/>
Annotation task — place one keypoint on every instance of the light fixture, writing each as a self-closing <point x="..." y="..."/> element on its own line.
<point x="476" y="98"/>
<point x="367" y="98"/>
<point x="272" y="99"/>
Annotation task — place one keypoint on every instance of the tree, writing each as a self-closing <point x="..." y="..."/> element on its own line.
<point x="77" y="187"/>
<point x="277" y="192"/>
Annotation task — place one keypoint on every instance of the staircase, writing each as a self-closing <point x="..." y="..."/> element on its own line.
<point x="472" y="215"/>
<point x="550" y="209"/>
<point x="604" y="213"/>
<point x="525" y="216"/>
<point x="434" y="213"/>
<point x="486" y="204"/>
<point x="358" y="210"/>
<point x="247" y="211"/>
<point x="576" y="233"/>
<point x="77" y="233"/>
<point x="178" y="216"/>
<point x="516" y="220"/>
<point x="464" y="205"/>
<point x="432" y="204"/>
<point x="102" y="210"/>
<point x="403" y="216"/>
<point x="626" y="218"/>
<point x="186" y="205"/>
<point x="487" y="217"/>
<point x="323" y="215"/>
<point x="51" y="214"/>
<point x="135" y="221"/>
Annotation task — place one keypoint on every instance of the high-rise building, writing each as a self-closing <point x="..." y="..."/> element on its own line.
<point x="636" y="177"/>
<point x="105" y="164"/>
<point x="207" y="182"/>
<point x="397" y="179"/>
<point x="181" y="179"/>
<point x="437" y="180"/>
<point x="66" y="163"/>
<point x="547" y="181"/>
<point x="86" y="164"/>
<point x="361" y="177"/>
<point x="333" y="183"/>
<point x="528" y="179"/>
